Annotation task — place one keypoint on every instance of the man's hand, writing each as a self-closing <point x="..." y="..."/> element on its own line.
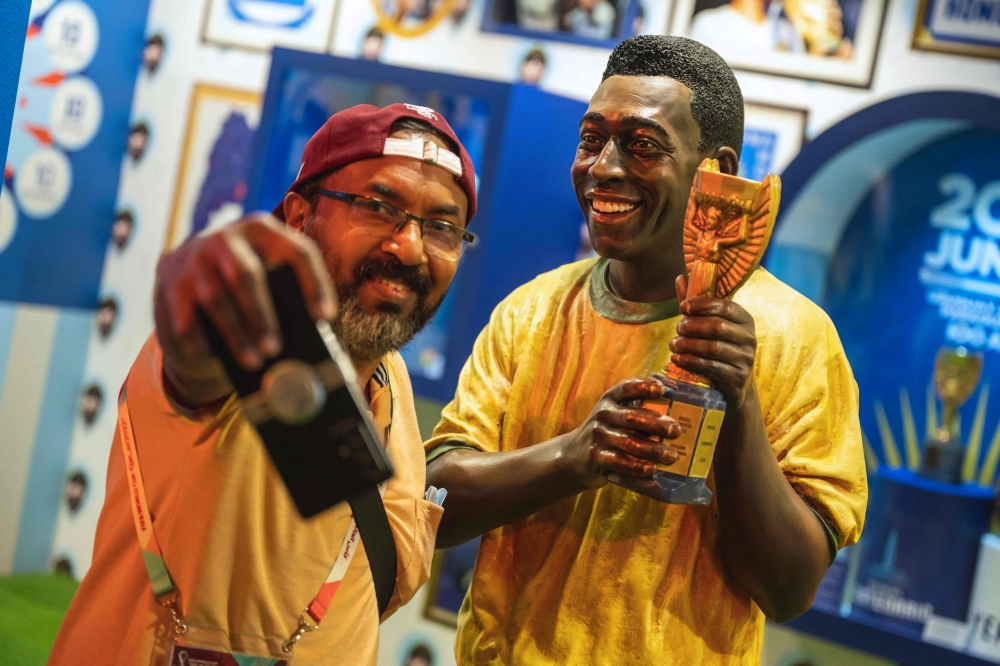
<point x="621" y="439"/>
<point x="224" y="274"/>
<point x="716" y="339"/>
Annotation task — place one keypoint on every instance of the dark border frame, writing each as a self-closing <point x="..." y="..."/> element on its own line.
<point x="489" y="25"/>
<point x="790" y="75"/>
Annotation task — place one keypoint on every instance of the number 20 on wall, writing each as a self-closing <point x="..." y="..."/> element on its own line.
<point x="966" y="205"/>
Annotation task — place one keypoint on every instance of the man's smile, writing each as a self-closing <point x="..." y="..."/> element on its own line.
<point x="391" y="290"/>
<point x="611" y="209"/>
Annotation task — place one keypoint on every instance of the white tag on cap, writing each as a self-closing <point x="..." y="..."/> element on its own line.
<point x="428" y="151"/>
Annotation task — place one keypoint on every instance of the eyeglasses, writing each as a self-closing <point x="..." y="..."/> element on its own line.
<point x="378" y="218"/>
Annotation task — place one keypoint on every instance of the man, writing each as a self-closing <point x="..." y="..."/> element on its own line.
<point x="572" y="569"/>
<point x="138" y="138"/>
<point x="533" y="67"/>
<point x="121" y="229"/>
<point x="107" y="316"/>
<point x="379" y="206"/>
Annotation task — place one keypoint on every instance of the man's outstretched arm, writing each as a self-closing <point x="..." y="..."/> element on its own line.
<point x="489" y="490"/>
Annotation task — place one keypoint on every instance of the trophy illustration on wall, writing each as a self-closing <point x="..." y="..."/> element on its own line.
<point x="726" y="229"/>
<point x="956" y="376"/>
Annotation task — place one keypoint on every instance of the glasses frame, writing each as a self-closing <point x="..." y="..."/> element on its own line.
<point x="467" y="237"/>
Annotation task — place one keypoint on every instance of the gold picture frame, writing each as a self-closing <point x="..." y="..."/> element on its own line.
<point x="924" y="39"/>
<point x="209" y="103"/>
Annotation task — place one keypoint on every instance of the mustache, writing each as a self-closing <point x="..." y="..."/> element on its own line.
<point x="391" y="268"/>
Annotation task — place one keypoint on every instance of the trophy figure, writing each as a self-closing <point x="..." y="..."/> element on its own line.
<point x="726" y="229"/>
<point x="956" y="375"/>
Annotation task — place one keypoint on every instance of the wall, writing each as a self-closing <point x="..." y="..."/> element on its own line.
<point x="163" y="100"/>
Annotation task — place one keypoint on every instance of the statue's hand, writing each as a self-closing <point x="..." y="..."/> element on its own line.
<point x="716" y="339"/>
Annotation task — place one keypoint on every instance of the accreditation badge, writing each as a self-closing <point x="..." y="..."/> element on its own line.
<point x="187" y="655"/>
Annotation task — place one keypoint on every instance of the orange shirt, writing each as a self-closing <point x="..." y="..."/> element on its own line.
<point x="245" y="563"/>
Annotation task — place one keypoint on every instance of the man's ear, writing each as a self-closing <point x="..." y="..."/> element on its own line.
<point x="297" y="211"/>
<point x="729" y="163"/>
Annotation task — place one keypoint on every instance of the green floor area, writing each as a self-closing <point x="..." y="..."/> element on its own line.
<point x="31" y="608"/>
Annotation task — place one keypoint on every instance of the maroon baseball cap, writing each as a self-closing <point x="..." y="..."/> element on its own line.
<point x="362" y="132"/>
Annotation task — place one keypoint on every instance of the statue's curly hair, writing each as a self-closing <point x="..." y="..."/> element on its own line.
<point x="716" y="100"/>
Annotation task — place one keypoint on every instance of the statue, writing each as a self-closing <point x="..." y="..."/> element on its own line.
<point x="726" y="229"/>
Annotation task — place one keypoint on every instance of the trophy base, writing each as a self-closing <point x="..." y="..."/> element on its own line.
<point x="943" y="460"/>
<point x="666" y="487"/>
<point x="699" y="411"/>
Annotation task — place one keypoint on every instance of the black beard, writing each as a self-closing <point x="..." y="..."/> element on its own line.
<point x="368" y="336"/>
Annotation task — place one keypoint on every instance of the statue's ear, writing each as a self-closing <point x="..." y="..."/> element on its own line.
<point x="729" y="162"/>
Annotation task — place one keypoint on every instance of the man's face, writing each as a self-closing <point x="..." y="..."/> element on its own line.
<point x="106" y="316"/>
<point x="532" y="71"/>
<point x="151" y="56"/>
<point x="388" y="286"/>
<point x="137" y="144"/>
<point x="371" y="48"/>
<point x="120" y="232"/>
<point x="634" y="167"/>
<point x="90" y="405"/>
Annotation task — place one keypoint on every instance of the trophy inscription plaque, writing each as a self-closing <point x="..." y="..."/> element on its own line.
<point x="726" y="229"/>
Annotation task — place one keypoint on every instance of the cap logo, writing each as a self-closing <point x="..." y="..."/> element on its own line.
<point x="422" y="110"/>
<point x="428" y="151"/>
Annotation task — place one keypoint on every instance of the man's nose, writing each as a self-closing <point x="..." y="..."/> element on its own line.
<point x="407" y="244"/>
<point x="609" y="166"/>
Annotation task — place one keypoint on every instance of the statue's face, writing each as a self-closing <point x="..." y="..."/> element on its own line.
<point x="634" y="166"/>
<point x="713" y="218"/>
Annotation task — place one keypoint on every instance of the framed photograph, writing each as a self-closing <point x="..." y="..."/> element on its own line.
<point x="601" y="23"/>
<point x="772" y="137"/>
<point x="956" y="26"/>
<point x="212" y="174"/>
<point x="261" y="25"/>
<point x="451" y="576"/>
<point x="821" y="40"/>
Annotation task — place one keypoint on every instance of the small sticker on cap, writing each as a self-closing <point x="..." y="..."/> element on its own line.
<point x="423" y="110"/>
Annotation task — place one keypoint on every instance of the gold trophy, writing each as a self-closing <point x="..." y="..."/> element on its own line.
<point x="726" y="229"/>
<point x="956" y="375"/>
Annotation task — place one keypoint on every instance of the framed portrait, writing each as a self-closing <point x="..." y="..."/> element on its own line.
<point x="451" y="576"/>
<point x="212" y="174"/>
<point x="601" y="23"/>
<point x="261" y="25"/>
<point x="963" y="27"/>
<point x="820" y="40"/>
<point x="772" y="137"/>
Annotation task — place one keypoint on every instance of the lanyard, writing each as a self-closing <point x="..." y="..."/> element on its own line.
<point x="163" y="586"/>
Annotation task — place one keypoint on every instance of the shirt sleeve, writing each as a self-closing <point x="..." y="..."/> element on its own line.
<point x="810" y="405"/>
<point x="474" y="418"/>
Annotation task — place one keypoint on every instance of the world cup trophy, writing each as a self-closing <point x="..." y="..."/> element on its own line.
<point x="956" y="375"/>
<point x="727" y="226"/>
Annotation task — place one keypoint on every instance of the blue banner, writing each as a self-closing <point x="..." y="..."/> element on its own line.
<point x="67" y="142"/>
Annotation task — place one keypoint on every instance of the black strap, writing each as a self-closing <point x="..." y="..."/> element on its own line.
<point x="373" y="525"/>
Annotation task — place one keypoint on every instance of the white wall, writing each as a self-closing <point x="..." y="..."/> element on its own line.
<point x="163" y="99"/>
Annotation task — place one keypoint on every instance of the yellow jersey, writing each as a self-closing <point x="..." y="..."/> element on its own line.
<point x="610" y="576"/>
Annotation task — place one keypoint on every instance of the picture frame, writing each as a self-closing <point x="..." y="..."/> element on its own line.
<point x="940" y="27"/>
<point x="260" y="25"/>
<point x="610" y="22"/>
<point x="451" y="576"/>
<point x="772" y="136"/>
<point x="215" y="158"/>
<point x="796" y="38"/>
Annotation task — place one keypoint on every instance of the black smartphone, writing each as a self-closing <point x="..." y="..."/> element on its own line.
<point x="307" y="406"/>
